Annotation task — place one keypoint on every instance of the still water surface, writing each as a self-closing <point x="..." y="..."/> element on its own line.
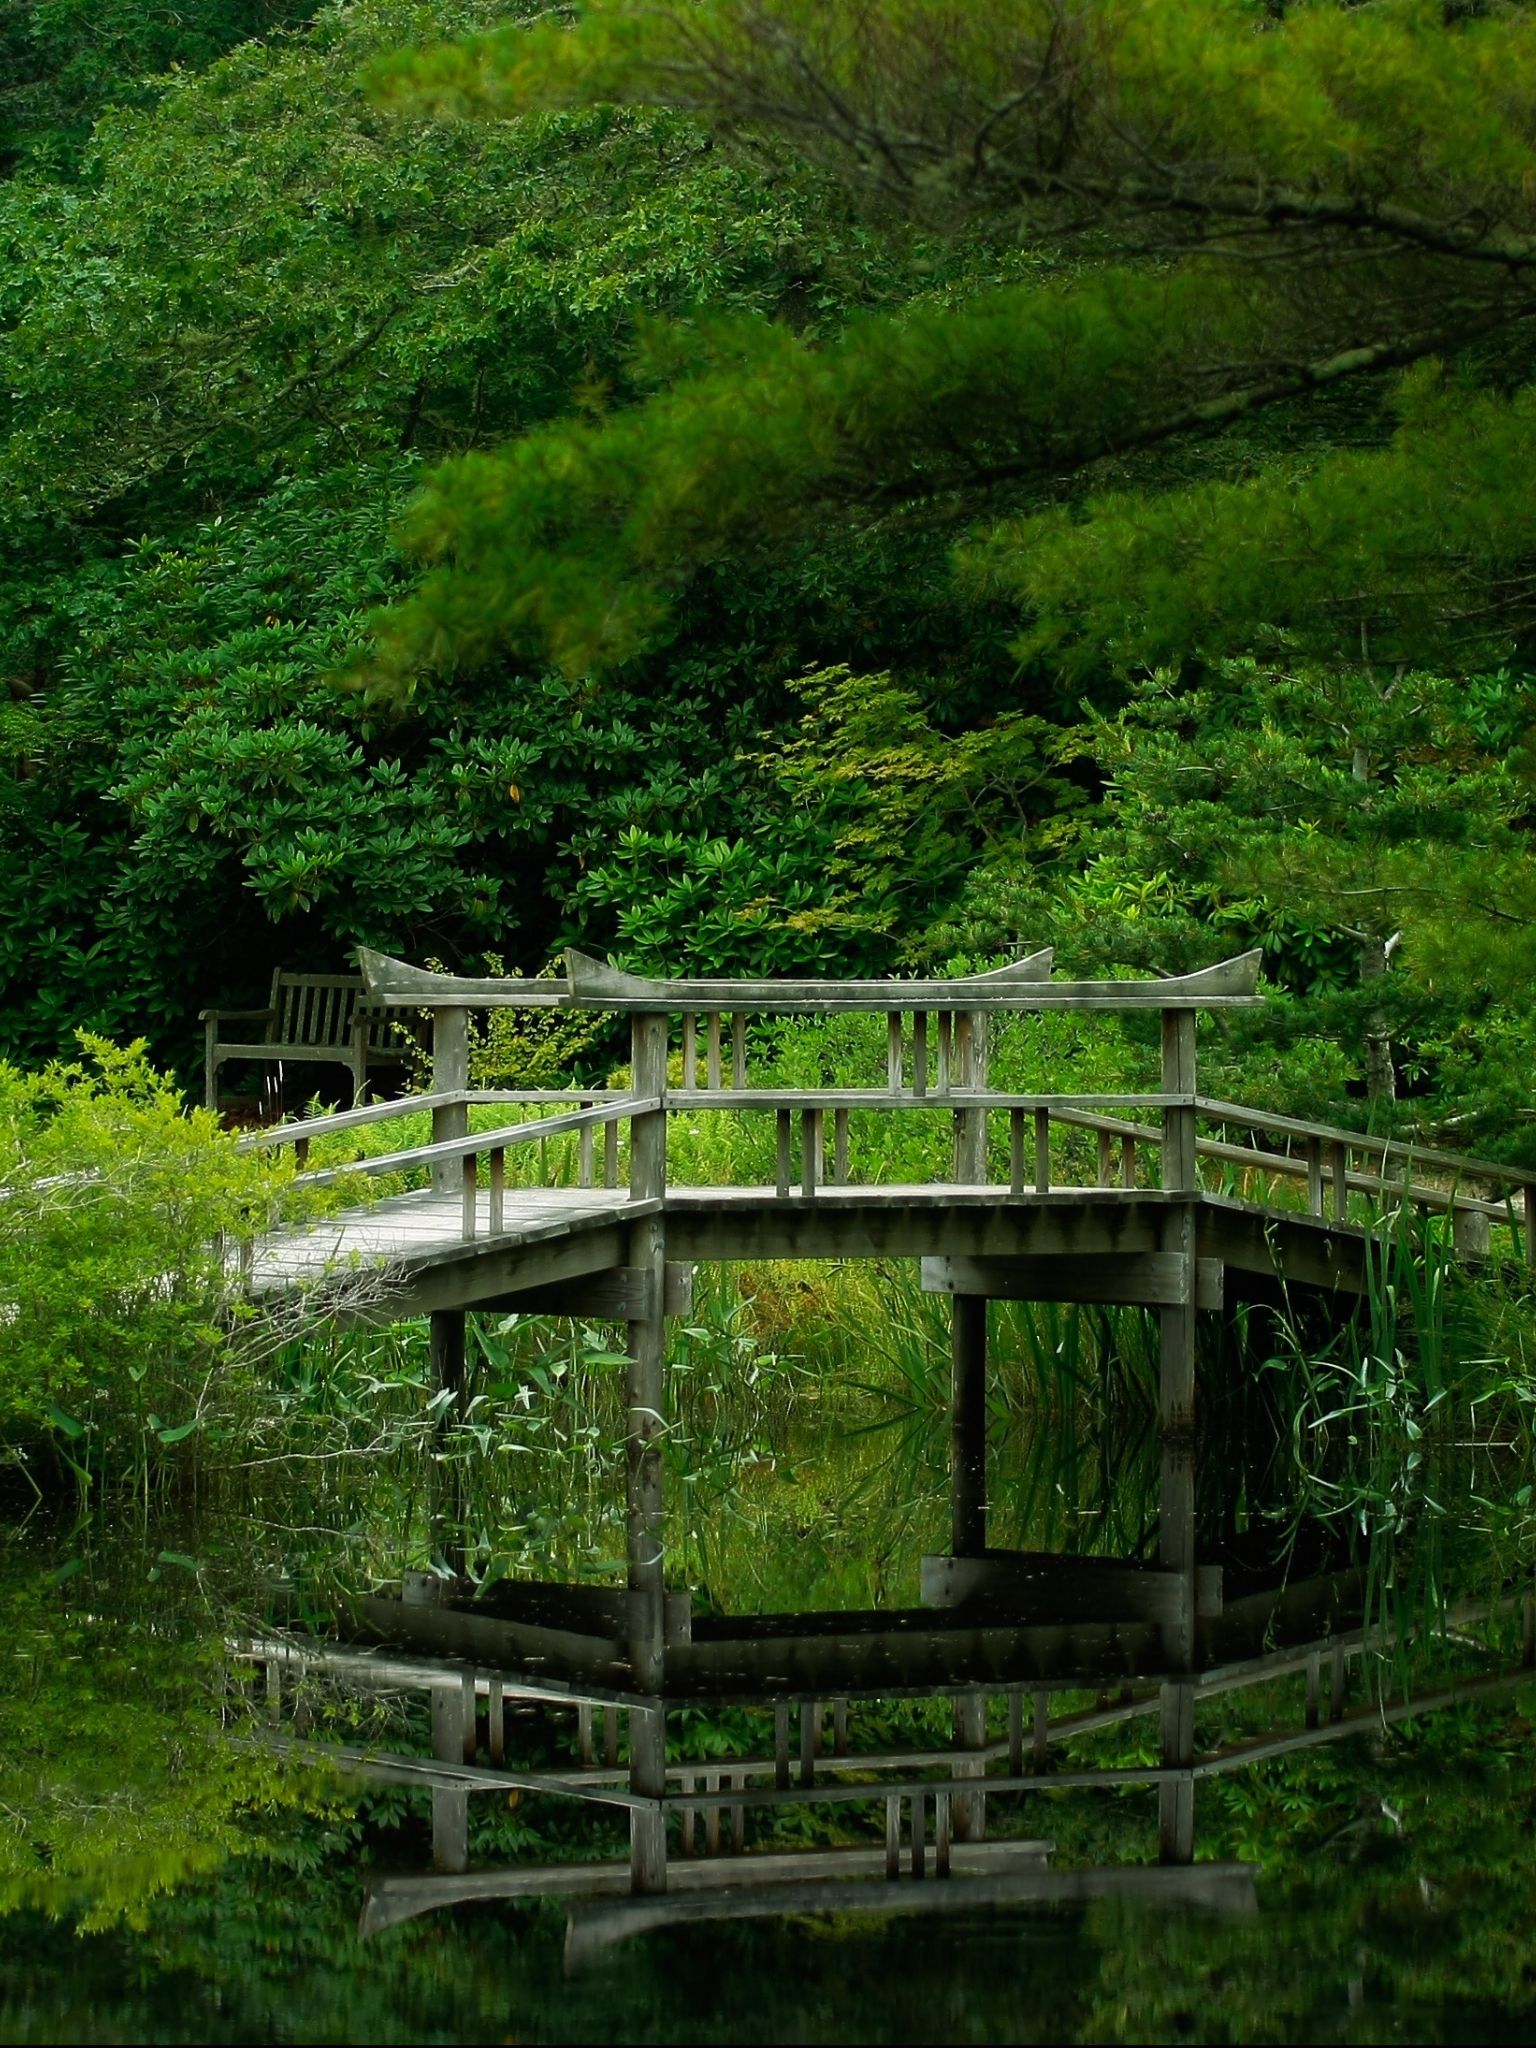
<point x="165" y="1886"/>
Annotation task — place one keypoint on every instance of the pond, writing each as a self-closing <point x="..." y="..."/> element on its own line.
<point x="183" y="1863"/>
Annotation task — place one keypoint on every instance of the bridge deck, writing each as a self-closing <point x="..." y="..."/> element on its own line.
<point x="417" y="1246"/>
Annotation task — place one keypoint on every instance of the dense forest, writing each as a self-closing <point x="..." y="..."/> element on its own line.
<point x="762" y="488"/>
<point x="748" y="512"/>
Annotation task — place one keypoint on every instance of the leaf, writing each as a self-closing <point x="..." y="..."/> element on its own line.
<point x="180" y="1433"/>
<point x="65" y="1572"/>
<point x="188" y="1564"/>
<point x="61" y="1421"/>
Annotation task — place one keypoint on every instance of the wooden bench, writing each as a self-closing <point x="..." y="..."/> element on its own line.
<point x="323" y="1017"/>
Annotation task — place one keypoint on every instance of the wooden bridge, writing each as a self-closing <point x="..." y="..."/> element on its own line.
<point x="1167" y="1199"/>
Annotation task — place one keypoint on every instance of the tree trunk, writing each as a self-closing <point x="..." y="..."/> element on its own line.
<point x="1380" y="1075"/>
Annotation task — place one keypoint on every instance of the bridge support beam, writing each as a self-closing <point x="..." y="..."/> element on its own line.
<point x="646" y="1398"/>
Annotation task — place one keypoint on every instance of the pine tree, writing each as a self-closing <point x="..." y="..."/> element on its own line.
<point x="1175" y="423"/>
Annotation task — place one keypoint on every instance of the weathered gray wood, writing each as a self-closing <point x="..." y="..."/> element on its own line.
<point x="448" y="1151"/>
<point x="1148" y="1278"/>
<point x="622" y="1294"/>
<point x="1022" y="986"/>
<point x="645" y="1426"/>
<point x="396" y="985"/>
<point x="450" y="1074"/>
<point x="1178" y="1078"/>
<point x="450" y="1809"/>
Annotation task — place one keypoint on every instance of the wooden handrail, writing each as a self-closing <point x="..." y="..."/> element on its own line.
<point x="486" y="1141"/>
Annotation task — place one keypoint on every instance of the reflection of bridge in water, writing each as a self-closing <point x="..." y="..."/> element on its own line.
<point x="1048" y="1201"/>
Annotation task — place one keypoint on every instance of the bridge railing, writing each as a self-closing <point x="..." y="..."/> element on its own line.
<point x="937" y="1044"/>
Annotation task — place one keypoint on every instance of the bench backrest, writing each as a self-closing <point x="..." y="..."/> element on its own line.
<point x="319" y="1009"/>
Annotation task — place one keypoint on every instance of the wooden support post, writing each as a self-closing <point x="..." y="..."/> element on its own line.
<point x="945" y="1060"/>
<point x="738" y="1050"/>
<point x="646" y="1398"/>
<point x="450" y="1070"/>
<point x="611" y="1737"/>
<point x="584" y="1734"/>
<point x="446" y="1350"/>
<point x="712" y="1059"/>
<point x="941" y="1805"/>
<point x="610" y="1155"/>
<point x="783" y="1164"/>
<point x="1128" y="1162"/>
<point x="1338" y="1166"/>
<point x="1040" y="1735"/>
<point x="1015" y="1151"/>
<point x="1106" y="1159"/>
<point x="1015" y="1733"/>
<point x="840" y="1726"/>
<point x="1179" y="1157"/>
<point x="968" y="1425"/>
<point x="1315" y="1175"/>
<point x="497" y="1219"/>
<point x="970" y="1061"/>
<point x="1042" y="1150"/>
<point x="712" y="1784"/>
<point x="892" y="1836"/>
<point x="450" y="1810"/>
<point x="781" y="1744"/>
<point x="1176" y="1796"/>
<point x="918" y="1804"/>
<point x="584" y="1153"/>
<point x="920" y="1052"/>
<point x="738" y="1783"/>
<point x="690" y="1050"/>
<point x="687" y="1814"/>
<point x="893" y="1058"/>
<point x="840" y="1147"/>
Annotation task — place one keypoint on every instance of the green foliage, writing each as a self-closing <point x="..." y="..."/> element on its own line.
<point x="125" y="1777"/>
<point x="1377" y="160"/>
<point x="119" y="1215"/>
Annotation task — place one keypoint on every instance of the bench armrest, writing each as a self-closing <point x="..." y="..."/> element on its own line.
<point x="234" y="1016"/>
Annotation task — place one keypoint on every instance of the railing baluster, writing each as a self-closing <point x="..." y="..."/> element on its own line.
<point x="498" y="1190"/>
<point x="686" y="1783"/>
<point x="840" y="1146"/>
<point x="1016" y="1733"/>
<point x="584" y="1733"/>
<point x="1128" y="1162"/>
<point x="1016" y="1151"/>
<point x="810" y="1149"/>
<point x="840" y="1724"/>
<point x="738" y="1050"/>
<point x="893" y="1060"/>
<point x="941" y="1834"/>
<point x="611" y="1155"/>
<point x="712" y="1784"/>
<point x="1338" y="1160"/>
<point x="1042" y="1150"/>
<point x="920" y="1052"/>
<point x="1529" y="1200"/>
<point x="892" y="1836"/>
<point x="300" y="1154"/>
<point x="1315" y="1175"/>
<point x="584" y="1154"/>
<point x="471" y="1198"/>
<point x="690" y="1050"/>
<point x="1106" y="1159"/>
<point x="712" y="1052"/>
<point x="945" y="1052"/>
<point x="783" y="1159"/>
